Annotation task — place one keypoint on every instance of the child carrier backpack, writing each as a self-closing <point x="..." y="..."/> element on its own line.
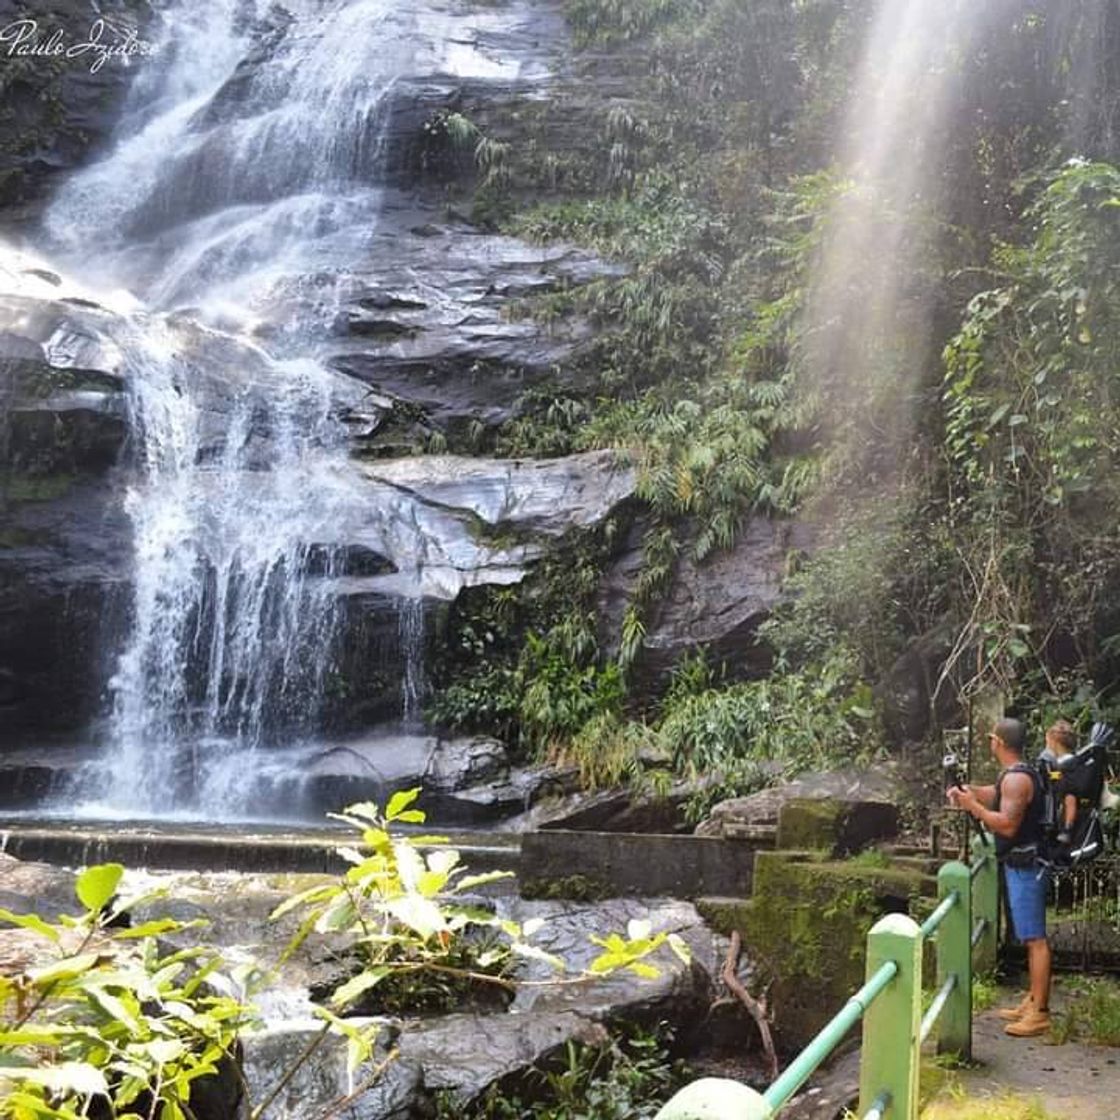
<point x="1081" y="773"/>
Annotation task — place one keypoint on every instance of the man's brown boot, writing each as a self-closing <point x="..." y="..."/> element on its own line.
<point x="1032" y="1024"/>
<point x="1014" y="1014"/>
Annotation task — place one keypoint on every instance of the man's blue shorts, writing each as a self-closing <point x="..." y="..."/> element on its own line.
<point x="1027" y="888"/>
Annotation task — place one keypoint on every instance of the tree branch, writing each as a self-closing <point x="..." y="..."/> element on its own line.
<point x="758" y="1009"/>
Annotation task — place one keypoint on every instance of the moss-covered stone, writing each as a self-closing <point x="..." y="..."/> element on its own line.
<point x="805" y="824"/>
<point x="839" y="827"/>
<point x="806" y="929"/>
<point x="575" y="888"/>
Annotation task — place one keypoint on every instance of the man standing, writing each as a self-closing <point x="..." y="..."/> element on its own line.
<point x="1012" y="810"/>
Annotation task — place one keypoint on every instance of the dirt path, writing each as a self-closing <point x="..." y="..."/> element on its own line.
<point x="1074" y="1081"/>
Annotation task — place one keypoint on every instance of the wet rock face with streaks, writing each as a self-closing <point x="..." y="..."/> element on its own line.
<point x="212" y="543"/>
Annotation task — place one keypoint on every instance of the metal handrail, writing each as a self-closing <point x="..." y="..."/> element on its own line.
<point x="929" y="926"/>
<point x="929" y="1019"/>
<point x="879" y="1108"/>
<point x="806" y="1063"/>
<point x="894" y="952"/>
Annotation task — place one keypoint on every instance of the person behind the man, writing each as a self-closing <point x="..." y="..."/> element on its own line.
<point x="1012" y="810"/>
<point x="1061" y="740"/>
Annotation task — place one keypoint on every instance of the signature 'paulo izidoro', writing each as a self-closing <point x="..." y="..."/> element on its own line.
<point x="23" y="38"/>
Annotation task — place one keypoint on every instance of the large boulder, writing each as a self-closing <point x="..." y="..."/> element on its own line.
<point x="428" y="325"/>
<point x="64" y="541"/>
<point x="717" y="605"/>
<point x="756" y="816"/>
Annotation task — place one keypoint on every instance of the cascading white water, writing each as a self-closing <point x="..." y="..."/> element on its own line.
<point x="410" y="631"/>
<point x="245" y="162"/>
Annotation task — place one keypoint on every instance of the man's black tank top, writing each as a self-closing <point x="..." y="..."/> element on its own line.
<point x="1030" y="827"/>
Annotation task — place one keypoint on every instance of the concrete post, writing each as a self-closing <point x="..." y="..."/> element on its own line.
<point x="985" y="906"/>
<point x="891" y="1025"/>
<point x="954" y="958"/>
<point x="716" y="1098"/>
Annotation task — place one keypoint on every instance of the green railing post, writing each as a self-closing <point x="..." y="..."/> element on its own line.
<point x="716" y="1098"/>
<point x="889" y="1059"/>
<point x="954" y="958"/>
<point x="985" y="906"/>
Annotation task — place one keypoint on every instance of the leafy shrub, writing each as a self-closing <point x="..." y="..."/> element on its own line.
<point x="94" y="1015"/>
<point x="794" y="719"/>
<point x="98" y="1013"/>
<point x="1031" y="435"/>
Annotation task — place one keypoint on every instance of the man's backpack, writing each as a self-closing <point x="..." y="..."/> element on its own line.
<point x="1082" y="773"/>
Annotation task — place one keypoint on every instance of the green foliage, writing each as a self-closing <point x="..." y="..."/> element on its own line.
<point x="985" y="993"/>
<point x="625" y="1077"/>
<point x="874" y="578"/>
<point x="561" y="697"/>
<point x="794" y="720"/>
<point x="957" y="1103"/>
<point x="100" y="1015"/>
<point x="95" y="1016"/>
<point x="713" y="185"/>
<point x="546" y="698"/>
<point x="404" y="916"/>
<point x="1092" y="1015"/>
<point x="1031" y="432"/>
<point x="612" y="21"/>
<point x="524" y="662"/>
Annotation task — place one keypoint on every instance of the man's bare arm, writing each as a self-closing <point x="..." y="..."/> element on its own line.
<point x="986" y="795"/>
<point x="1018" y="789"/>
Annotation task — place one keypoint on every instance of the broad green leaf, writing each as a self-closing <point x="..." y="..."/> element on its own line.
<point x="421" y="915"/>
<point x="442" y="860"/>
<point x="339" y="915"/>
<point x="96" y="885"/>
<point x="356" y="985"/>
<point x="535" y="953"/>
<point x="312" y="894"/>
<point x="65" y="969"/>
<point x="998" y="414"/>
<point x="680" y="947"/>
<point x="365" y="811"/>
<point x="399" y="802"/>
<point x="32" y="1036"/>
<point x="80" y="1078"/>
<point x="164" y="1050"/>
<point x="646" y="971"/>
<point x="156" y="926"/>
<point x="32" y="922"/>
<point x="410" y="864"/>
<point x="116" y="1009"/>
<point x="468" y="882"/>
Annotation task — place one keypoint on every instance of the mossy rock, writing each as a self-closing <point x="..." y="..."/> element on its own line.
<point x="574" y="888"/>
<point x="840" y="827"/>
<point x="806" y="930"/>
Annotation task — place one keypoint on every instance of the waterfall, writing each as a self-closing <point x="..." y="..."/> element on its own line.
<point x="245" y="162"/>
<point x="411" y="633"/>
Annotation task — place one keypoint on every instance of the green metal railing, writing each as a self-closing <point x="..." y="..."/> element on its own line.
<point x="964" y="925"/>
